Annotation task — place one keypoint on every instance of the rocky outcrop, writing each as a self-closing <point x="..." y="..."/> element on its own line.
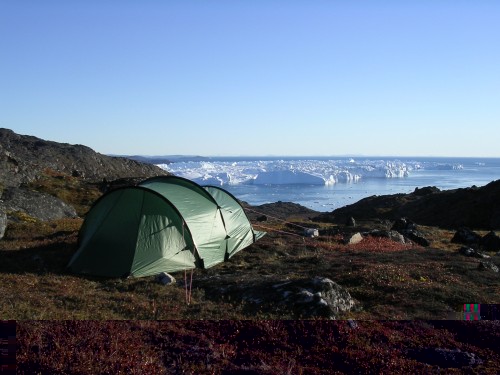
<point x="24" y="158"/>
<point x="36" y="205"/>
<point x="281" y="210"/>
<point x="317" y="297"/>
<point x="409" y="230"/>
<point x="466" y="236"/>
<point x="470" y="207"/>
<point x="425" y="191"/>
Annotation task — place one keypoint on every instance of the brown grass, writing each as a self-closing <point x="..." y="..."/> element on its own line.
<point x="72" y="190"/>
<point x="390" y="280"/>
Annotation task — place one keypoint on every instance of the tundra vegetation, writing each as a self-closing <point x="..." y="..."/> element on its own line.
<point x="404" y="295"/>
<point x="407" y="286"/>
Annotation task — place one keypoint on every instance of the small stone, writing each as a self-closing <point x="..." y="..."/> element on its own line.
<point x="485" y="265"/>
<point x="354" y="239"/>
<point x="470" y="252"/>
<point x="165" y="279"/>
<point x="311" y="232"/>
<point x="467" y="251"/>
<point x="352" y="324"/>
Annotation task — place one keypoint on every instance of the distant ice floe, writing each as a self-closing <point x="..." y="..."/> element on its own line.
<point x="287" y="177"/>
<point x="305" y="172"/>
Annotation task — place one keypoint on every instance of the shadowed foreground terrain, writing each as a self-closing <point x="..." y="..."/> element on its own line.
<point x="139" y="326"/>
<point x="258" y="347"/>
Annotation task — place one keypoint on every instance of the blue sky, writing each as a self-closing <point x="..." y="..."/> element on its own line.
<point x="403" y="78"/>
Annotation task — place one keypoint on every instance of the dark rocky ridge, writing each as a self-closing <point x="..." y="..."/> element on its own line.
<point x="281" y="210"/>
<point x="149" y="159"/>
<point x="472" y="207"/>
<point x="24" y="158"/>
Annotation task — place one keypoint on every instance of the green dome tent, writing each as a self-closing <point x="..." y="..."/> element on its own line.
<point x="166" y="224"/>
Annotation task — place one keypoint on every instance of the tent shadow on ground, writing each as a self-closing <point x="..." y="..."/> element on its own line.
<point x="47" y="259"/>
<point x="42" y="259"/>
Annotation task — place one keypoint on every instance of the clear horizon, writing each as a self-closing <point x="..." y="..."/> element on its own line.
<point x="225" y="78"/>
<point x="306" y="156"/>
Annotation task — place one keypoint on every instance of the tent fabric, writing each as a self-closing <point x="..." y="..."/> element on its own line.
<point x="240" y="234"/>
<point x="165" y="224"/>
<point x="201" y="212"/>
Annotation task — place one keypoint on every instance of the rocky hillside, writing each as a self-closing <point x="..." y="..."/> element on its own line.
<point x="44" y="180"/>
<point x="24" y="158"/>
<point x="472" y="207"/>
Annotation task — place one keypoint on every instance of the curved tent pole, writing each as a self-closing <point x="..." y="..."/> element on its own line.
<point x="237" y="201"/>
<point x="198" y="187"/>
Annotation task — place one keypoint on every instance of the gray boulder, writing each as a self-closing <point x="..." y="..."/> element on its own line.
<point x="3" y="220"/>
<point x="408" y="229"/>
<point x="417" y="237"/>
<point x="38" y="205"/>
<point x="466" y="236"/>
<point x="396" y="236"/>
<point x="353" y="239"/>
<point x="317" y="297"/>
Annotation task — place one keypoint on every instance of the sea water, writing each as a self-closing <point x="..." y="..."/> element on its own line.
<point x="324" y="184"/>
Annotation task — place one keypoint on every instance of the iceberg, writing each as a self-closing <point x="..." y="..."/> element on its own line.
<point x="290" y="171"/>
<point x="287" y="177"/>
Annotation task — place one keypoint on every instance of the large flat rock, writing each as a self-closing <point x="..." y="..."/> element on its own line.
<point x="38" y="205"/>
